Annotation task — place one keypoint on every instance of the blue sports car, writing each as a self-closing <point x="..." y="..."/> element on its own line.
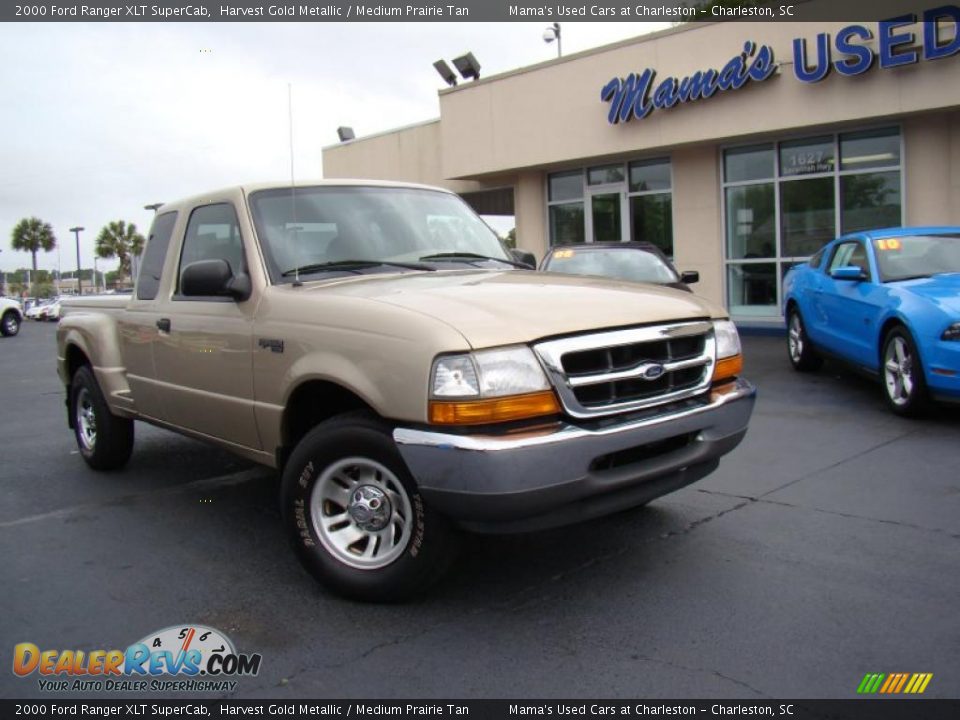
<point x="888" y="302"/>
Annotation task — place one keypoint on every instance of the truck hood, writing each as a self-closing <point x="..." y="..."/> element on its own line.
<point x="492" y="308"/>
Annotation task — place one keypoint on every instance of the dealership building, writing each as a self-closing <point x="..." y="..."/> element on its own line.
<point x="738" y="148"/>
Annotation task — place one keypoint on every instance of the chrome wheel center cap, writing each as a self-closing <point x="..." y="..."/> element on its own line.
<point x="370" y="508"/>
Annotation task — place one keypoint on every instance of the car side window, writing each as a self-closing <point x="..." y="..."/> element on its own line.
<point x="213" y="233"/>
<point x="850" y="253"/>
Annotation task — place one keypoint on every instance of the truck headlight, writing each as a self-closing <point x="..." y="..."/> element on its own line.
<point x="952" y="332"/>
<point x="729" y="355"/>
<point x="489" y="386"/>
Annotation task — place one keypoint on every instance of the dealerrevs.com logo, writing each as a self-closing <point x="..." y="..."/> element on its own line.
<point x="177" y="658"/>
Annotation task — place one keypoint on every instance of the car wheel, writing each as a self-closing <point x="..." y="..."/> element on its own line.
<point x="105" y="440"/>
<point x="802" y="354"/>
<point x="10" y="324"/>
<point x="903" y="382"/>
<point x="355" y="517"/>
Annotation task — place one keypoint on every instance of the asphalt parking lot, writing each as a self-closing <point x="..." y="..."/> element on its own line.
<point x="825" y="547"/>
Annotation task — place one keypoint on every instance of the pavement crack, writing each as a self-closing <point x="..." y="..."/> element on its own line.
<point x="852" y="516"/>
<point x="706" y="671"/>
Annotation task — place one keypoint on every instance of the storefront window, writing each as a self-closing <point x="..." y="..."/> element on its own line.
<point x="751" y="230"/>
<point x="753" y="287"/>
<point x="869" y="200"/>
<point x="868" y="150"/>
<point x="652" y="218"/>
<point x="605" y="175"/>
<point x="566" y="186"/>
<point x="566" y="224"/>
<point x="748" y="163"/>
<point x="649" y="176"/>
<point x="617" y="202"/>
<point x="807" y="215"/>
<point x="784" y="201"/>
<point x="801" y="157"/>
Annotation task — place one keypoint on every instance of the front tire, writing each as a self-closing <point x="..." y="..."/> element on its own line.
<point x="800" y="350"/>
<point x="9" y="324"/>
<point x="105" y="440"/>
<point x="904" y="386"/>
<point x="355" y="516"/>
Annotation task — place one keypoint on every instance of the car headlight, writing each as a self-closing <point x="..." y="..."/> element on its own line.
<point x="489" y="386"/>
<point x="729" y="358"/>
<point x="952" y="332"/>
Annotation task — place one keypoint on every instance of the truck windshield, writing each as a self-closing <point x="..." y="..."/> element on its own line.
<point x="917" y="256"/>
<point x="378" y="229"/>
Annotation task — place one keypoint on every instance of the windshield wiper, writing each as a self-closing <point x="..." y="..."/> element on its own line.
<point x="354" y="266"/>
<point x="470" y="258"/>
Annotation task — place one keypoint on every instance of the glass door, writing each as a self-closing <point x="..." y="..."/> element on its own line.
<point x="607" y="209"/>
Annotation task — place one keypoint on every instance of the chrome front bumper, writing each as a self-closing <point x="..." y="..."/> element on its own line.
<point x="563" y="472"/>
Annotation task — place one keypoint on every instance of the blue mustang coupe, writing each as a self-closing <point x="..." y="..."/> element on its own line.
<point x="886" y="301"/>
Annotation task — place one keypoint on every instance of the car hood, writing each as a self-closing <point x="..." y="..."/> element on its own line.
<point x="492" y="308"/>
<point x="942" y="290"/>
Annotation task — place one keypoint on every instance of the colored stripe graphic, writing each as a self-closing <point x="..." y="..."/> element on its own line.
<point x="894" y="683"/>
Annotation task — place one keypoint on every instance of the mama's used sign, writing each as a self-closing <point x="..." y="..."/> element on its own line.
<point x="638" y="94"/>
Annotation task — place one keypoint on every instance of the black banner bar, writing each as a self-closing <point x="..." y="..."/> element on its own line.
<point x="457" y="10"/>
<point x="873" y="709"/>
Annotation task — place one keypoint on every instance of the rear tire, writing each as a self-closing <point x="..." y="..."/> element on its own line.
<point x="902" y="372"/>
<point x="800" y="350"/>
<point x="355" y="517"/>
<point x="9" y="324"/>
<point x="105" y="440"/>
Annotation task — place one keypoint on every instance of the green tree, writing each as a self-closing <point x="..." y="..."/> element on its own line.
<point x="121" y="240"/>
<point x="33" y="235"/>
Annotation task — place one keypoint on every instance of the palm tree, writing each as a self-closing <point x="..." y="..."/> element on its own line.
<point x="121" y="240"/>
<point x="33" y="235"/>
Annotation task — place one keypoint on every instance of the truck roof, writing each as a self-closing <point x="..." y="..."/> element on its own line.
<point x="247" y="188"/>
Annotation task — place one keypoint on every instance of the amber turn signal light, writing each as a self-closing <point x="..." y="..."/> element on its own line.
<point x="493" y="410"/>
<point x="728" y="368"/>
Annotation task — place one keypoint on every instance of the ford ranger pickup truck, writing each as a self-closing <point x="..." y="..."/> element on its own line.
<point x="377" y="345"/>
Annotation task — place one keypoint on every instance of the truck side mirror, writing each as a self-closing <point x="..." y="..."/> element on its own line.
<point x="527" y="258"/>
<point x="214" y="278"/>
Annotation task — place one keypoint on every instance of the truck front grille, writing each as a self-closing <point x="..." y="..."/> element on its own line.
<point x="623" y="370"/>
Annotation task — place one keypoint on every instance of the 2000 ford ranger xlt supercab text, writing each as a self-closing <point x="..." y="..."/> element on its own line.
<point x="375" y="343"/>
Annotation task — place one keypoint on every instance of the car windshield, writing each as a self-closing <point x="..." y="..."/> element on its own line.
<point x="315" y="230"/>
<point x="620" y="263"/>
<point x="917" y="256"/>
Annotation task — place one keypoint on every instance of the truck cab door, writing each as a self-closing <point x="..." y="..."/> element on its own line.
<point x="204" y="354"/>
<point x="138" y="324"/>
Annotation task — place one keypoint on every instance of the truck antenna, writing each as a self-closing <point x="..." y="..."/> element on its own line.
<point x="293" y="182"/>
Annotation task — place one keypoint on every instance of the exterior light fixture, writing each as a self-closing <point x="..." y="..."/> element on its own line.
<point x="467" y="66"/>
<point x="552" y="33"/>
<point x="76" y="232"/>
<point x="345" y="133"/>
<point x="448" y="75"/>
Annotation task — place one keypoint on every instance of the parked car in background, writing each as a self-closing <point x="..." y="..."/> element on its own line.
<point x="51" y="312"/>
<point x="10" y="317"/>
<point x="36" y="312"/>
<point x="634" y="261"/>
<point x="888" y="302"/>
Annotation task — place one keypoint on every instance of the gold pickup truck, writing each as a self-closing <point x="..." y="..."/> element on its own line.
<point x="377" y="345"/>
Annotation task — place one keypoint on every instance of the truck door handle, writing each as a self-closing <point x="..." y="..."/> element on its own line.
<point x="164" y="324"/>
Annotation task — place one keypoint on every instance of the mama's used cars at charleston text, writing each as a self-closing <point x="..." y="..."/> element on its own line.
<point x="376" y="343"/>
<point x="887" y="301"/>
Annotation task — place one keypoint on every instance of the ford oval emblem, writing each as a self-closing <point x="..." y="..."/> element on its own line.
<point x="653" y="371"/>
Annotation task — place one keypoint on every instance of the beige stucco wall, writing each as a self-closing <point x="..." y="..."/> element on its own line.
<point x="411" y="154"/>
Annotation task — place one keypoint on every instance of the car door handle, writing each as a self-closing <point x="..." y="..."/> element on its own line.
<point x="164" y="325"/>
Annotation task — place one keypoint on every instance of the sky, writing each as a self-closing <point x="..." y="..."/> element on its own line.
<point x="101" y="119"/>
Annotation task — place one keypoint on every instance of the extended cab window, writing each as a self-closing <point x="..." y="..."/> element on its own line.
<point x="213" y="233"/>
<point x="151" y="267"/>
